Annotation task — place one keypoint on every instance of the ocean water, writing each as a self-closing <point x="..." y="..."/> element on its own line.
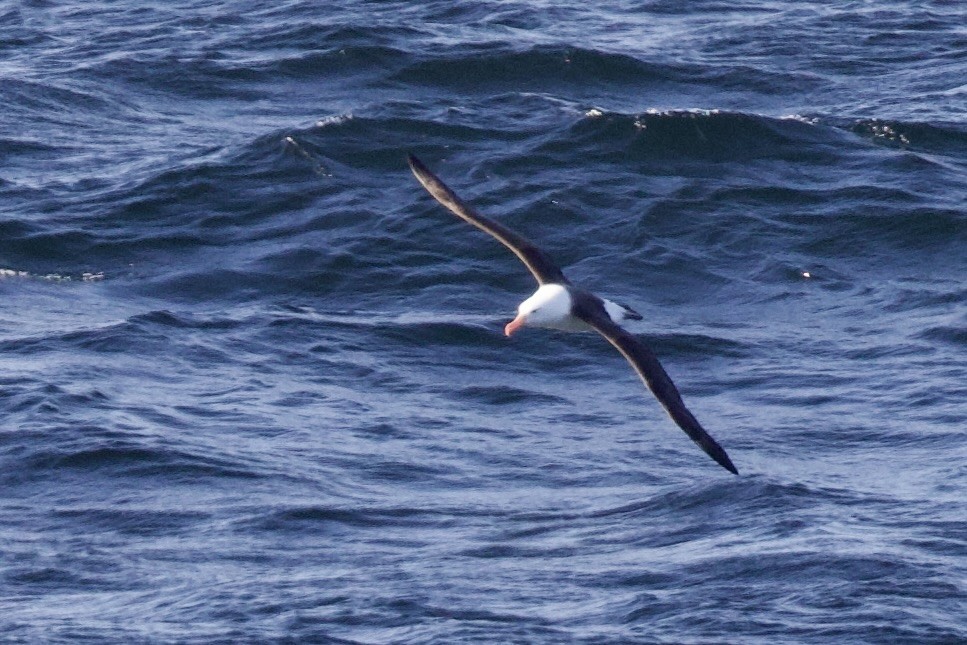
<point x="253" y="385"/>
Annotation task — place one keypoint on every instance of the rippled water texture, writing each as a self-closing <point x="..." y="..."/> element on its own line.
<point x="253" y="383"/>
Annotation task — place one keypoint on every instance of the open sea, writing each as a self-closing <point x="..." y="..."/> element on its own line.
<point x="253" y="381"/>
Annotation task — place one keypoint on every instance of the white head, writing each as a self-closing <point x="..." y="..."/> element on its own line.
<point x="550" y="306"/>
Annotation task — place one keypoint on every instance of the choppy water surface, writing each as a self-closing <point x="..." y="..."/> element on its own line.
<point x="252" y="378"/>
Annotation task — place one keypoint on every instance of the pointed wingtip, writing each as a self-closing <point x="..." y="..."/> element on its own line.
<point x="423" y="174"/>
<point x="717" y="452"/>
<point x="712" y="448"/>
<point x="415" y="163"/>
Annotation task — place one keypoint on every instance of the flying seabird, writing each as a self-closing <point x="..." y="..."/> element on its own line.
<point x="558" y="304"/>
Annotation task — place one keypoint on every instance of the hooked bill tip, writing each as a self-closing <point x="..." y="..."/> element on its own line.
<point x="513" y="325"/>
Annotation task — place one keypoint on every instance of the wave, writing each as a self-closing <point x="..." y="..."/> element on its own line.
<point x="280" y="223"/>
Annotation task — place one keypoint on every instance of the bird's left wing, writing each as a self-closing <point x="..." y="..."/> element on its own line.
<point x="656" y="378"/>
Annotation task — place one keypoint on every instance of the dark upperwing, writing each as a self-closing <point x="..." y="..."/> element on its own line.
<point x="536" y="260"/>
<point x="653" y="374"/>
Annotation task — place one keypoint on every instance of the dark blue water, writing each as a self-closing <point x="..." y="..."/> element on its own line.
<point x="253" y="384"/>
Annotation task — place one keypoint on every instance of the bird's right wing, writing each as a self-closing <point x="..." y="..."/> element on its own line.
<point x="544" y="270"/>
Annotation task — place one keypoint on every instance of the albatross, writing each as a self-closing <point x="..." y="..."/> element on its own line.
<point x="558" y="304"/>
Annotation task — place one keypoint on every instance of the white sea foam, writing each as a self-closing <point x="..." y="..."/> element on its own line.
<point x="87" y="276"/>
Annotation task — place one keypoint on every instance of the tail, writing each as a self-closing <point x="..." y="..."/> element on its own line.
<point x="619" y="313"/>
